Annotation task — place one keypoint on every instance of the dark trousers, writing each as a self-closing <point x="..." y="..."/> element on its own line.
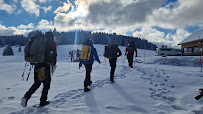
<point x="130" y="59"/>
<point x="88" y="68"/>
<point x="37" y="84"/>
<point x="112" y="63"/>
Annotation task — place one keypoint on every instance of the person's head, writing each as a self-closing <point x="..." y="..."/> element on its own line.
<point x="49" y="36"/>
<point x="89" y="42"/>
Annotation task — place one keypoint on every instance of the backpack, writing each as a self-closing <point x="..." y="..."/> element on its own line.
<point x="111" y="51"/>
<point x="34" y="51"/>
<point x="86" y="50"/>
<point x="131" y="46"/>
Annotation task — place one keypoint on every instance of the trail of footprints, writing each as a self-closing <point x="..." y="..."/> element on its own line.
<point x="75" y="94"/>
<point x="9" y="98"/>
<point x="160" y="89"/>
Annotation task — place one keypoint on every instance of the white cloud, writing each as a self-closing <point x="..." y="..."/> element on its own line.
<point x="46" y="8"/>
<point x="29" y="26"/>
<point x="31" y="7"/>
<point x="7" y="31"/>
<point x="6" y="7"/>
<point x="160" y="38"/>
<point x="184" y="13"/>
<point x="95" y="14"/>
<point x="42" y="1"/>
<point x="64" y="8"/>
<point x="44" y="24"/>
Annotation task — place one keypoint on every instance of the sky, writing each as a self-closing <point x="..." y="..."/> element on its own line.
<point x="162" y="22"/>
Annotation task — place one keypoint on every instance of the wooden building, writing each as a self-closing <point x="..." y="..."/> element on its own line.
<point x="192" y="44"/>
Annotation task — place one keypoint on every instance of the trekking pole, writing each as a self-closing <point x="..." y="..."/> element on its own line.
<point x="24" y="71"/>
<point x="105" y="60"/>
<point x="31" y="66"/>
<point x="124" y="59"/>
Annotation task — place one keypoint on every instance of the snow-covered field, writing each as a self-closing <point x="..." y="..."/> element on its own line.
<point x="155" y="85"/>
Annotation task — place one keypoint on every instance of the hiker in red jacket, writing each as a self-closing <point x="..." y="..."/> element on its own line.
<point x="42" y="72"/>
<point x="130" y="52"/>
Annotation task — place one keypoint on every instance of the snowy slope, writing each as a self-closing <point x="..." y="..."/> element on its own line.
<point x="151" y="87"/>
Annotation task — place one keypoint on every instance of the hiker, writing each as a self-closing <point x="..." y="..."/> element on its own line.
<point x="112" y="52"/>
<point x="71" y="53"/>
<point x="130" y="52"/>
<point x="88" y="54"/>
<point x="42" y="69"/>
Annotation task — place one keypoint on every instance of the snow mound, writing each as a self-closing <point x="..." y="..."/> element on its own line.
<point x="193" y="61"/>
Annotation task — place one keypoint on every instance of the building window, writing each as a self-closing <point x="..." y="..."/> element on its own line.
<point x="196" y="49"/>
<point x="187" y="50"/>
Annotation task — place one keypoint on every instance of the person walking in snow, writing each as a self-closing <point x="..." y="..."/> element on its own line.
<point x="42" y="72"/>
<point x="112" y="62"/>
<point x="88" y="54"/>
<point x="112" y="52"/>
<point x="130" y="52"/>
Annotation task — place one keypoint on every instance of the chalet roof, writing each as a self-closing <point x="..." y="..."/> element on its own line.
<point x="193" y="37"/>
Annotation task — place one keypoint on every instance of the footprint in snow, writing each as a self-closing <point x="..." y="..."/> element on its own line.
<point x="8" y="88"/>
<point x="11" y="98"/>
<point x="151" y="75"/>
<point x="162" y="84"/>
<point x="155" y="85"/>
<point x="172" y="86"/>
<point x="15" y="84"/>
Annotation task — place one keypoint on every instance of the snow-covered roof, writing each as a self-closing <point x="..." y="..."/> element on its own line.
<point x="193" y="37"/>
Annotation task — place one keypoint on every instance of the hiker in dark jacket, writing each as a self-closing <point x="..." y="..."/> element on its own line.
<point x="130" y="53"/>
<point x="88" y="62"/>
<point x="112" y="63"/>
<point x="42" y="72"/>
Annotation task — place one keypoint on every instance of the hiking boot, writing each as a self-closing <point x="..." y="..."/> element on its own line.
<point x="24" y="102"/>
<point x="90" y="83"/>
<point x="112" y="80"/>
<point x="44" y="103"/>
<point x="86" y="89"/>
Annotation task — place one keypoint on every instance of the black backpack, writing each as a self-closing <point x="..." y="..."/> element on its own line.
<point x="131" y="46"/>
<point x="111" y="51"/>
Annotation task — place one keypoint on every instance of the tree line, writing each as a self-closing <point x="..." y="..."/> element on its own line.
<point x="80" y="36"/>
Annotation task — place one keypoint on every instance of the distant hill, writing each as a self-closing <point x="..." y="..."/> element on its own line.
<point x="80" y="36"/>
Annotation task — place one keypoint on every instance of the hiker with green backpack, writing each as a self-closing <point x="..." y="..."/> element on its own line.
<point x="88" y="54"/>
<point x="41" y="52"/>
<point x="112" y="52"/>
<point x="130" y="52"/>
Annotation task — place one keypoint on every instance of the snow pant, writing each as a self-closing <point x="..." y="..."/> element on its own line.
<point x="112" y="63"/>
<point x="46" y="82"/>
<point x="88" y="68"/>
<point x="130" y="59"/>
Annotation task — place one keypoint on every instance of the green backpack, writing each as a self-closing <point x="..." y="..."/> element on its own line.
<point x="34" y="51"/>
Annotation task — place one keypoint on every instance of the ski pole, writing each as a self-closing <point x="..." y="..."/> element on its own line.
<point x="29" y="72"/>
<point x="105" y="61"/>
<point x="124" y="59"/>
<point x="24" y="71"/>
